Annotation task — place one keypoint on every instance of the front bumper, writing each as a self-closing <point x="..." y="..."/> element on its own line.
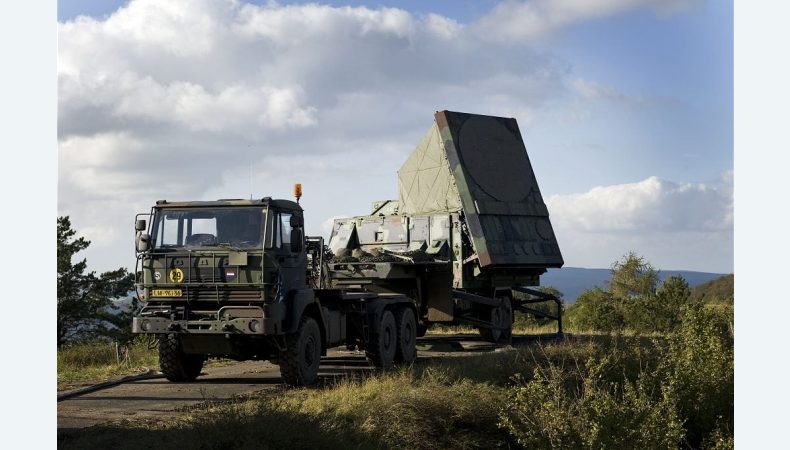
<point x="246" y="320"/>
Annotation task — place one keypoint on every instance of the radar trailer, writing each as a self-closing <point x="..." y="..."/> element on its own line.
<point x="465" y="243"/>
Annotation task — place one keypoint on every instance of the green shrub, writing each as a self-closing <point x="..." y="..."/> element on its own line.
<point x="699" y="372"/>
<point x="549" y="412"/>
<point x="595" y="309"/>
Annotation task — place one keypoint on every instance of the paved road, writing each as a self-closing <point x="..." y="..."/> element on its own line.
<point x="149" y="398"/>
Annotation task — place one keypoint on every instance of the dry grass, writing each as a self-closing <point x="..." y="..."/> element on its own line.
<point x="83" y="364"/>
<point x="90" y="363"/>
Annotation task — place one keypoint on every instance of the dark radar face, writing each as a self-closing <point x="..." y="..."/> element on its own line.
<point x="495" y="159"/>
<point x="238" y="228"/>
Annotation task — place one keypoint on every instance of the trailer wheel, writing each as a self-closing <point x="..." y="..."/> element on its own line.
<point x="176" y="365"/>
<point x="407" y="336"/>
<point x="302" y="355"/>
<point x="502" y="318"/>
<point x="384" y="342"/>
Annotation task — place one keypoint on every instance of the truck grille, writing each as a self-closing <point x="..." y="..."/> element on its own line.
<point x="223" y="295"/>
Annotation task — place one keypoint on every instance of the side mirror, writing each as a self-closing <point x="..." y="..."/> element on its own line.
<point x="139" y="225"/>
<point x="296" y="240"/>
<point x="143" y="242"/>
<point x="297" y="221"/>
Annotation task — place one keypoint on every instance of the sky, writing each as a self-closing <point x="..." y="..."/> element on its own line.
<point x="626" y="108"/>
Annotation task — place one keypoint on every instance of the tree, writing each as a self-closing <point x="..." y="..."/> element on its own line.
<point x="633" y="277"/>
<point x="633" y="300"/>
<point x="667" y="308"/>
<point x="84" y="299"/>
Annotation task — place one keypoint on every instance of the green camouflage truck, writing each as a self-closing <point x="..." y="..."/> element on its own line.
<point x="465" y="242"/>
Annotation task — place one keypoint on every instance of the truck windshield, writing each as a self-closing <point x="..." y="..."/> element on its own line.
<point x="234" y="228"/>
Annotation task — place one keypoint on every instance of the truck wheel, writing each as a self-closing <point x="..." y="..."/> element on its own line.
<point x="384" y="342"/>
<point x="302" y="355"/>
<point x="407" y="336"/>
<point x="502" y="318"/>
<point x="174" y="363"/>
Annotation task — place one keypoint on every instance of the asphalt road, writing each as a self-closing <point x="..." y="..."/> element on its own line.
<point x="158" y="397"/>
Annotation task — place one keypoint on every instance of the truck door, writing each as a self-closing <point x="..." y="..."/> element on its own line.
<point x="289" y="245"/>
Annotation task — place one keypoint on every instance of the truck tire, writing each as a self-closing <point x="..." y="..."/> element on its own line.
<point x="176" y="365"/>
<point x="407" y="336"/>
<point x="302" y="355"/>
<point x="383" y="342"/>
<point x="502" y="318"/>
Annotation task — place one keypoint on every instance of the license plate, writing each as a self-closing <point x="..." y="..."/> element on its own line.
<point x="166" y="293"/>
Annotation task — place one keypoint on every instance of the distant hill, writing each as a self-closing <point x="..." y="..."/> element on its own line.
<point x="719" y="290"/>
<point x="572" y="281"/>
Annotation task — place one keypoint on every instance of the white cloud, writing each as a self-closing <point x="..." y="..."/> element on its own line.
<point x="164" y="99"/>
<point x="443" y="27"/>
<point x="651" y="204"/>
<point x="200" y="100"/>
<point x="676" y="225"/>
<point x="233" y="108"/>
<point x="516" y="20"/>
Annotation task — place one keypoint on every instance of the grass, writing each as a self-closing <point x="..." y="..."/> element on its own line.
<point x="584" y="392"/>
<point x="93" y="362"/>
<point x="532" y="329"/>
<point x="447" y="403"/>
<point x="89" y="363"/>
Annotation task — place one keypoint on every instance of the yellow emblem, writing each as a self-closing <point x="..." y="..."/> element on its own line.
<point x="176" y="275"/>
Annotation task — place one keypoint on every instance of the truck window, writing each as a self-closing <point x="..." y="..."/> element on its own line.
<point x="209" y="227"/>
<point x="285" y="227"/>
<point x="203" y="226"/>
<point x="169" y="231"/>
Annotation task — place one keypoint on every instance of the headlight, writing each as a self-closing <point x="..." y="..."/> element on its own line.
<point x="255" y="326"/>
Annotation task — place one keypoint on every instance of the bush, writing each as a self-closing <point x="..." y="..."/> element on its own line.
<point x="699" y="372"/>
<point x="549" y="413"/>
<point x="634" y="392"/>
<point x="596" y="309"/>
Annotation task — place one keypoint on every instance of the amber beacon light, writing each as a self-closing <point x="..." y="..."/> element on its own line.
<point x="298" y="191"/>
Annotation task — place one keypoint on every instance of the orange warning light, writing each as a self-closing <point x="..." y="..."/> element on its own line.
<point x="298" y="191"/>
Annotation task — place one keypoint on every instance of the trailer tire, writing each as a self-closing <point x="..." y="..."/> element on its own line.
<point x="502" y="316"/>
<point x="300" y="360"/>
<point x="407" y="335"/>
<point x="176" y="365"/>
<point x="383" y="342"/>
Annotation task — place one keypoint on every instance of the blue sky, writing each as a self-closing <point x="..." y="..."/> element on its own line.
<point x="460" y="10"/>
<point x="626" y="107"/>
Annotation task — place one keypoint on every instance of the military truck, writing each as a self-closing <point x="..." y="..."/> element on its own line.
<point x="465" y="242"/>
